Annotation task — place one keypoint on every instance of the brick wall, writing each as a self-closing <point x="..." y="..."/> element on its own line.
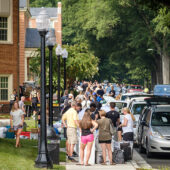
<point x="9" y="52"/>
<point x="23" y="24"/>
<point x="58" y="25"/>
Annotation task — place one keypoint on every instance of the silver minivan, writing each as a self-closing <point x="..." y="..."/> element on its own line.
<point x="154" y="130"/>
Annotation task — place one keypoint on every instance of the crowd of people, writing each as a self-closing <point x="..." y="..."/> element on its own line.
<point x="84" y="112"/>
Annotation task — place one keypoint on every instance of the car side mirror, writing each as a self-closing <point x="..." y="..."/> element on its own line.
<point x="143" y="123"/>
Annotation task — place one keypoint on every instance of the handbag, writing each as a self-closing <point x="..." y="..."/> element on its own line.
<point x="112" y="129"/>
<point x="11" y="130"/>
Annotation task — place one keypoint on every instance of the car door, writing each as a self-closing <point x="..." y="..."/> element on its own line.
<point x="146" y="122"/>
<point x="140" y="127"/>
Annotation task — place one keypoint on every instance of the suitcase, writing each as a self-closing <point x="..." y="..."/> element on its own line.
<point x="127" y="150"/>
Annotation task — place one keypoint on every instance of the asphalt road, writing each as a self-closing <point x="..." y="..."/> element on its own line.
<point x="158" y="160"/>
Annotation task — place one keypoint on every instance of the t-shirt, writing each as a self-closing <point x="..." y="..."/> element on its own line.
<point x="21" y="104"/>
<point x="129" y="127"/>
<point x="13" y="97"/>
<point x="104" y="129"/>
<point x="93" y="114"/>
<point x="108" y="89"/>
<point x="70" y="116"/>
<point x="112" y="92"/>
<point x="114" y="116"/>
<point x="100" y="92"/>
<point x="17" y="117"/>
<point x="34" y="96"/>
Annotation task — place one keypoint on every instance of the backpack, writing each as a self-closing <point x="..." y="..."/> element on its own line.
<point x="118" y="156"/>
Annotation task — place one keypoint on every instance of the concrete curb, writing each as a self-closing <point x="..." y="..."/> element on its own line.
<point x="139" y="162"/>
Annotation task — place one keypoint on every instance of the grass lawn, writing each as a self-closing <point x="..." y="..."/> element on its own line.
<point x="23" y="158"/>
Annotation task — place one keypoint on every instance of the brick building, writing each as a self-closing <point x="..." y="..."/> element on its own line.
<point x="19" y="39"/>
<point x="9" y="49"/>
<point x="30" y="36"/>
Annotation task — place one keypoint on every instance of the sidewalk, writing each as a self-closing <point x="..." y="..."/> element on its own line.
<point x="127" y="166"/>
<point x="72" y="166"/>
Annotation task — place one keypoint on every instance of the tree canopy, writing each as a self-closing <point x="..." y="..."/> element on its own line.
<point x="119" y="33"/>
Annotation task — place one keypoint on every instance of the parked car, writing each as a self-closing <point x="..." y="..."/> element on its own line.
<point x="162" y="90"/>
<point x="136" y="107"/>
<point x="129" y="96"/>
<point x="153" y="133"/>
<point x="134" y="88"/>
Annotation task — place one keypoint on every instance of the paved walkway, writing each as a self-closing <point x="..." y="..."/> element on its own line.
<point x="127" y="166"/>
<point x="72" y="166"/>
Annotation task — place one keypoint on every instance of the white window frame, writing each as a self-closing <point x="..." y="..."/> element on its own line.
<point x="10" y="26"/>
<point x="10" y="85"/>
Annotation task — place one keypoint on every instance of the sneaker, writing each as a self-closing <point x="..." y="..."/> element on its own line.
<point x="75" y="154"/>
<point x="71" y="159"/>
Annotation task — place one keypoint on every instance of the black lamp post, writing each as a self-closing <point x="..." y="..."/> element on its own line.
<point x="65" y="55"/>
<point x="59" y="53"/>
<point x="51" y="41"/>
<point x="43" y="160"/>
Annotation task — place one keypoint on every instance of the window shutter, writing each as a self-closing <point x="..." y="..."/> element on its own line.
<point x="4" y="8"/>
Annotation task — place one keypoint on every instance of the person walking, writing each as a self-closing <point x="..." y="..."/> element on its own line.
<point x="71" y="117"/>
<point x="17" y="121"/>
<point x="127" y="125"/>
<point x="105" y="136"/>
<point x="88" y="126"/>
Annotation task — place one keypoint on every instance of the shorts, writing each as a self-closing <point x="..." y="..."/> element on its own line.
<point x="119" y="129"/>
<point x="128" y="136"/>
<point x="17" y="127"/>
<point x="72" y="135"/>
<point x="105" y="141"/>
<point x="87" y="139"/>
<point x="34" y="106"/>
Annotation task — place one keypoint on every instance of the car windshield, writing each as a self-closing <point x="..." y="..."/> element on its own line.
<point x="137" y="108"/>
<point x="162" y="90"/>
<point x="160" y="119"/>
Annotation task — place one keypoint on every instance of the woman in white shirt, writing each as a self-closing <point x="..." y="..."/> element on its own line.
<point x="16" y="121"/>
<point x="127" y="125"/>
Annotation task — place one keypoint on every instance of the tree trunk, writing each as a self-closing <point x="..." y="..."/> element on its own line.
<point x="165" y="69"/>
<point x="159" y="76"/>
<point x="154" y="80"/>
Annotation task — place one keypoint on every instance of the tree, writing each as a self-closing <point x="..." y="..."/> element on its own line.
<point x="81" y="64"/>
<point x="119" y="34"/>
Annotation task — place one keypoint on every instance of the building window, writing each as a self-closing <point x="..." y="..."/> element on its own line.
<point x="3" y="88"/>
<point x="3" y="28"/>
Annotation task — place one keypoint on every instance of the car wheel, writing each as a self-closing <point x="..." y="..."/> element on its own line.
<point x="148" y="153"/>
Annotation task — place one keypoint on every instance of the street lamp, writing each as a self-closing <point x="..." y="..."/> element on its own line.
<point x="59" y="52"/>
<point x="51" y="41"/>
<point x="65" y="55"/>
<point x="43" y="160"/>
